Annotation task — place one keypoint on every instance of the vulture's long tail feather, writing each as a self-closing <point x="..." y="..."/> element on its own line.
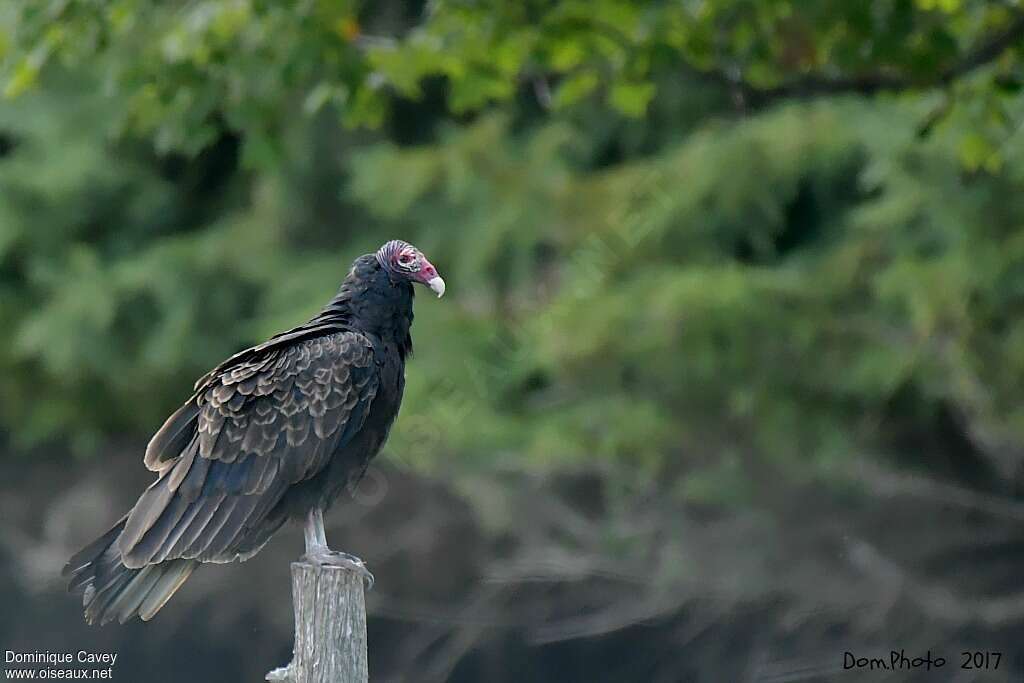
<point x="112" y="591"/>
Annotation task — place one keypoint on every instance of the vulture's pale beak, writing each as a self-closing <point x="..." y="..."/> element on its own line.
<point x="429" y="276"/>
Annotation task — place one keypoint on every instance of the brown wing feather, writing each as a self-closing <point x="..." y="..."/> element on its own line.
<point x="271" y="420"/>
<point x="172" y="438"/>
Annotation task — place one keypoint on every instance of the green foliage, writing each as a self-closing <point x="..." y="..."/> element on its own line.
<point x="637" y="277"/>
<point x="250" y="64"/>
<point x="782" y="280"/>
<point x="116" y="279"/>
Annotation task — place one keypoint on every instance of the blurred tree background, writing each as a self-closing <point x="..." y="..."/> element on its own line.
<point x="729" y="375"/>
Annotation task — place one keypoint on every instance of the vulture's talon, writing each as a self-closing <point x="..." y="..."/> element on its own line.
<point x="325" y="557"/>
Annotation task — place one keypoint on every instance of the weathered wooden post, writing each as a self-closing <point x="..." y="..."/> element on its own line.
<point x="330" y="627"/>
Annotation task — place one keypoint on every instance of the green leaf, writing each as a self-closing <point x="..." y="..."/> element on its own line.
<point x="631" y="98"/>
<point x="976" y="152"/>
<point x="25" y="76"/>
<point x="574" y="88"/>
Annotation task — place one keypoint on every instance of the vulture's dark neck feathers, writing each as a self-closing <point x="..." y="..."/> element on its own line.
<point x="371" y="300"/>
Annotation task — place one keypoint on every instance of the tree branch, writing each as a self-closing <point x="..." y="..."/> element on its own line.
<point x="883" y="482"/>
<point x="934" y="599"/>
<point x="749" y="95"/>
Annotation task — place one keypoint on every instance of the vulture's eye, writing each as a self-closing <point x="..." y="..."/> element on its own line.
<point x="406" y="259"/>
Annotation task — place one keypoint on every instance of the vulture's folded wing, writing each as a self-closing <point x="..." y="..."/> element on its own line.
<point x="271" y="419"/>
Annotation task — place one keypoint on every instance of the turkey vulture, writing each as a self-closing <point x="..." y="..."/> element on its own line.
<point x="273" y="433"/>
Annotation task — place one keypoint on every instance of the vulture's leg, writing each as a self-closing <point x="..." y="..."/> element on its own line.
<point x="317" y="551"/>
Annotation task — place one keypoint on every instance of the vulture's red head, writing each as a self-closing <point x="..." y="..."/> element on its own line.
<point x="404" y="261"/>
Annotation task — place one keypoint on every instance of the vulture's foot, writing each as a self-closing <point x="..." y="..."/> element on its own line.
<point x="324" y="556"/>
